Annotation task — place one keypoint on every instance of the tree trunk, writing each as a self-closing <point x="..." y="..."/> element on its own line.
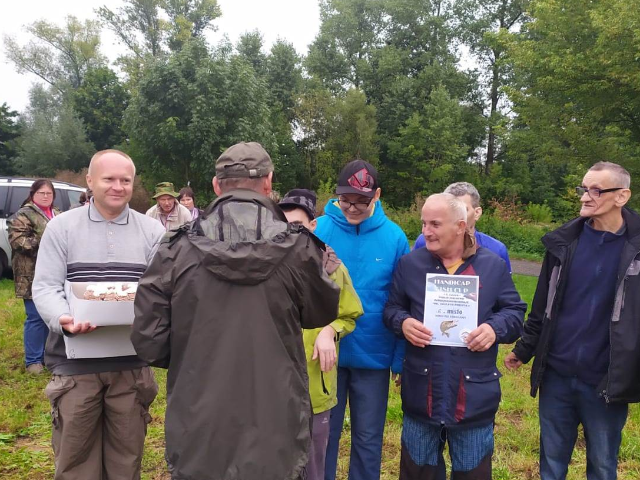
<point x="495" y="84"/>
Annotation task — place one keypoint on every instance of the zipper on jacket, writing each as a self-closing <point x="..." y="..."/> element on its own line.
<point x="324" y="386"/>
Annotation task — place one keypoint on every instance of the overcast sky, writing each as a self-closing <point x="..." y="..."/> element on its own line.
<point x="297" y="21"/>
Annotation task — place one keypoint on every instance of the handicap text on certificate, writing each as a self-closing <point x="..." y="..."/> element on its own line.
<point x="451" y="308"/>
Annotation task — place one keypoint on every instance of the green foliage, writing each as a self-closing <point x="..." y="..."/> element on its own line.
<point x="335" y="130"/>
<point x="190" y="108"/>
<point x="575" y="88"/>
<point x="53" y="137"/>
<point x="100" y="102"/>
<point x="519" y="238"/>
<point x="9" y="132"/>
<point x="539" y="213"/>
<point x="61" y="56"/>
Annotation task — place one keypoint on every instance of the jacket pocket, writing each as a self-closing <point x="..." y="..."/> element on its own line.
<point x="55" y="389"/>
<point x="146" y="392"/>
<point x="478" y="395"/>
<point x="416" y="391"/>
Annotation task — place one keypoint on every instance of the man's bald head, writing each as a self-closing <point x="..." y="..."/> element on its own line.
<point x="456" y="207"/>
<point x="444" y="222"/>
<point x="109" y="152"/>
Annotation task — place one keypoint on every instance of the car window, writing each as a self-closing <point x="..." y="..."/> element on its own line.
<point x="18" y="195"/>
<point x="57" y="202"/>
<point x="3" y="199"/>
<point x="74" y="197"/>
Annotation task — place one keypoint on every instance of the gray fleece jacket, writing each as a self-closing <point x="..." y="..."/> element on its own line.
<point x="81" y="246"/>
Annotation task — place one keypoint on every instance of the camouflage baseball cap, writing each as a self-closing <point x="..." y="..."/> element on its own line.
<point x="244" y="160"/>
<point x="165" y="188"/>
<point x="300" y="198"/>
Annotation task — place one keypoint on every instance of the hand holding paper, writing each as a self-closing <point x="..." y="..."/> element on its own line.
<point x="416" y="332"/>
<point x="66" y="322"/>
<point x="481" y="339"/>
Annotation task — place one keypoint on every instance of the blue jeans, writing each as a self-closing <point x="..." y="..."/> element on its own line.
<point x="467" y="447"/>
<point x="566" y="402"/>
<point x="368" y="392"/>
<point x="35" y="334"/>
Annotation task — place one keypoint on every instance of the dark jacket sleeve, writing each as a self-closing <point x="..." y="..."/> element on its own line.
<point x="397" y="308"/>
<point x="525" y="348"/>
<point x="509" y="310"/>
<point x="151" y="331"/>
<point x="319" y="295"/>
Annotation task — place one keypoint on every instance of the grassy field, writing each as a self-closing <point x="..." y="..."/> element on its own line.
<point x="25" y="451"/>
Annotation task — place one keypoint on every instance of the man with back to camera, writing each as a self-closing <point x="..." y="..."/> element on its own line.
<point x="466" y="192"/>
<point x="583" y="328"/>
<point x="100" y="406"/>
<point x="451" y="393"/>
<point x="221" y="307"/>
<point x="370" y="246"/>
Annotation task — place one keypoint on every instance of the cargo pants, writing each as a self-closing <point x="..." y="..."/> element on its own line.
<point x="100" y="423"/>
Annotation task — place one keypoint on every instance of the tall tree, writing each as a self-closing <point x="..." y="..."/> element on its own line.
<point x="284" y="77"/>
<point x="577" y="89"/>
<point x="481" y="25"/>
<point x="150" y="29"/>
<point x="61" y="56"/>
<point x="428" y="152"/>
<point x="189" y="19"/>
<point x="249" y="47"/>
<point x="9" y="131"/>
<point x="100" y="102"/>
<point x="53" y="137"/>
<point x="349" y="31"/>
<point x="191" y="107"/>
<point x="335" y="130"/>
<point x="138" y="26"/>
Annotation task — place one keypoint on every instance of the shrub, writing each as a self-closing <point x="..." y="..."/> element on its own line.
<point x="408" y="218"/>
<point x="519" y="238"/>
<point x="539" y="213"/>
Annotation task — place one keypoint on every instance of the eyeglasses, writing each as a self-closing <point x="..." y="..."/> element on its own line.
<point x="45" y="194"/>
<point x="361" y="206"/>
<point x="595" y="192"/>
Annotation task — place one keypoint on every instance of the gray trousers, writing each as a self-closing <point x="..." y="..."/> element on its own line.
<point x="100" y="422"/>
<point x="318" y="451"/>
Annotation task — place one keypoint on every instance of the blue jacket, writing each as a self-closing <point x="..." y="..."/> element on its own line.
<point x="483" y="240"/>
<point x="453" y="385"/>
<point x="370" y="252"/>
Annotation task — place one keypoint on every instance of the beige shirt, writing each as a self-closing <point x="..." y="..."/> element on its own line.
<point x="176" y="218"/>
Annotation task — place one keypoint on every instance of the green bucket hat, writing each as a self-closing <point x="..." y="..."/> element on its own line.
<point x="165" y="188"/>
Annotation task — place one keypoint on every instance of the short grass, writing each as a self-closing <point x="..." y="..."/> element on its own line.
<point x="25" y="451"/>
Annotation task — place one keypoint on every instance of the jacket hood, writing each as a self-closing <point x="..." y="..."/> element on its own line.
<point x="374" y="222"/>
<point x="243" y="237"/>
<point x="567" y="233"/>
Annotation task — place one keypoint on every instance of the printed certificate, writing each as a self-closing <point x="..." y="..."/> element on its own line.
<point x="451" y="307"/>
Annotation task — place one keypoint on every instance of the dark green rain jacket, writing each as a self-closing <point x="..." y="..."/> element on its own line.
<point x="222" y="306"/>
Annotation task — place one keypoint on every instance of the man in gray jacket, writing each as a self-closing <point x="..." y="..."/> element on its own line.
<point x="99" y="406"/>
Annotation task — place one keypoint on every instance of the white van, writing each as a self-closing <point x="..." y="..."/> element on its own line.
<point x="14" y="191"/>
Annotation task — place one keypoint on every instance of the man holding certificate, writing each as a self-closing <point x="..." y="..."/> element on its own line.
<point x="454" y="302"/>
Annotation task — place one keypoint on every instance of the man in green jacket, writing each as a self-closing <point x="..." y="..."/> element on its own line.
<point x="221" y="306"/>
<point x="321" y="344"/>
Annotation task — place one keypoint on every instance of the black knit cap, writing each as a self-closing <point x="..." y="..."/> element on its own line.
<point x="300" y="198"/>
<point x="358" y="177"/>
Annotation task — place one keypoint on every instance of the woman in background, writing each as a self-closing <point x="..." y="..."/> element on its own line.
<point x="26" y="227"/>
<point x="187" y="199"/>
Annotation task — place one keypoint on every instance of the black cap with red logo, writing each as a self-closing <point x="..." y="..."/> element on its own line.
<point x="358" y="177"/>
